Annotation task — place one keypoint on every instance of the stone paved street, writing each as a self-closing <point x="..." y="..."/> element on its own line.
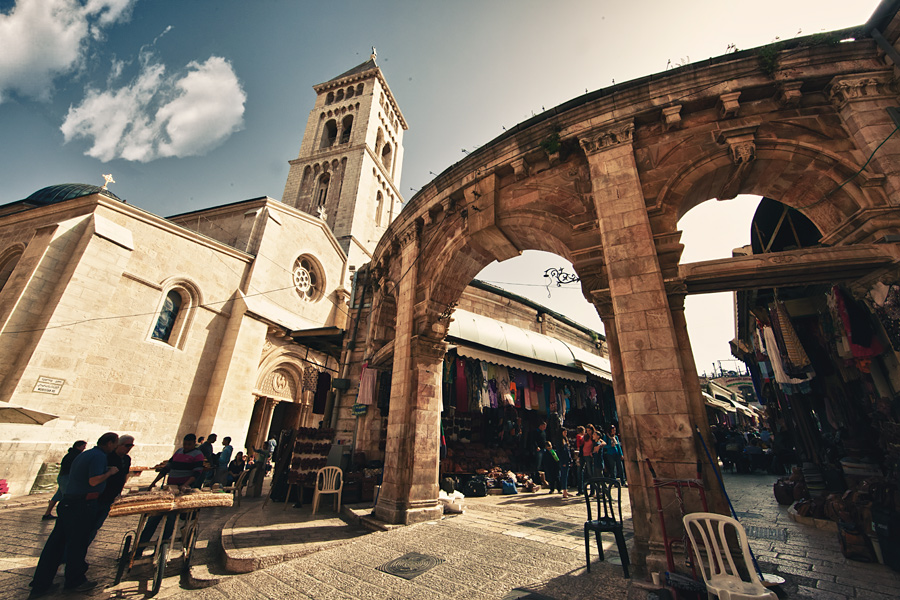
<point x="499" y="545"/>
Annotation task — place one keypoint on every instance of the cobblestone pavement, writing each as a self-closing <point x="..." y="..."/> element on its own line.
<point x="499" y="545"/>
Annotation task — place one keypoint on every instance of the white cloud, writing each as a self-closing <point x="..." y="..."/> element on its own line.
<point x="43" y="39"/>
<point x="159" y="115"/>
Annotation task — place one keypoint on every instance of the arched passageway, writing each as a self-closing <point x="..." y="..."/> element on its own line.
<point x="602" y="181"/>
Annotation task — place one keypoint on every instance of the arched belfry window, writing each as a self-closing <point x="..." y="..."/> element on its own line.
<point x="165" y="323"/>
<point x="175" y="312"/>
<point x="346" y="126"/>
<point x="386" y="157"/>
<point x="330" y="133"/>
<point x="322" y="191"/>
<point x="329" y="98"/>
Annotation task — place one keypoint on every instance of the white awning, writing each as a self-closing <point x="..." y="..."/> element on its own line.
<point x="507" y="361"/>
<point x="743" y="408"/>
<point x="526" y="346"/>
<point x="718" y="404"/>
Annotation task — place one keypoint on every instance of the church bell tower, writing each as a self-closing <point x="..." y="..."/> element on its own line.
<point x="348" y="169"/>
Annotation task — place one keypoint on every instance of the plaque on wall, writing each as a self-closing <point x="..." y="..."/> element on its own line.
<point x="49" y="385"/>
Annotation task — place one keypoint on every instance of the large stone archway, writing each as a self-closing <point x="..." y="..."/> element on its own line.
<point x="602" y="181"/>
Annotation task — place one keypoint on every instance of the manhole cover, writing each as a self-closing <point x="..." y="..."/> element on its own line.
<point x="410" y="565"/>
<point x="766" y="533"/>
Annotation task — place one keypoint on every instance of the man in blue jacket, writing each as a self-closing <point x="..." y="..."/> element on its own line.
<point x="77" y="512"/>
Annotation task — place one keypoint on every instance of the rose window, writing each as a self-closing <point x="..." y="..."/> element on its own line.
<point x="306" y="279"/>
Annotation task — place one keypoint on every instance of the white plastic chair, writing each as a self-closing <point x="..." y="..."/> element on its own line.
<point x="329" y="480"/>
<point x="707" y="532"/>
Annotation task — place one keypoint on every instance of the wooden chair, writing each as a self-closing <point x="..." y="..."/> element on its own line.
<point x="329" y="480"/>
<point x="600" y="488"/>
<point x="238" y="487"/>
<point x="709" y="541"/>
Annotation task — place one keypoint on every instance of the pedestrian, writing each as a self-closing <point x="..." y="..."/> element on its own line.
<point x="119" y="459"/>
<point x="209" y="455"/>
<point x="63" y="477"/>
<point x="550" y="462"/>
<point x="587" y="460"/>
<point x="536" y="443"/>
<point x="579" y="458"/>
<point x="613" y="456"/>
<point x="70" y="538"/>
<point x="565" y="461"/>
<point x="598" y="452"/>
<point x="236" y="467"/>
<point x="223" y="460"/>
<point x="185" y="470"/>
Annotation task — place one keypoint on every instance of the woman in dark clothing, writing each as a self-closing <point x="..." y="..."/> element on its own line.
<point x="565" y="461"/>
<point x="63" y="478"/>
<point x="236" y="467"/>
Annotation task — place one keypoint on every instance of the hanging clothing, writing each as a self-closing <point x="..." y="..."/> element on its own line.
<point x="462" y="391"/>
<point x="322" y="386"/>
<point x="366" y="385"/>
<point x="797" y="361"/>
<point x="863" y="343"/>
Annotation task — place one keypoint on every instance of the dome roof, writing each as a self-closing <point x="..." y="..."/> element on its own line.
<point x="67" y="191"/>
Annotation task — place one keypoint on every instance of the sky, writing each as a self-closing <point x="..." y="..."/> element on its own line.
<point x="190" y="104"/>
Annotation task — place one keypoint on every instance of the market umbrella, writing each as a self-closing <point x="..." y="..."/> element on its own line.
<point x="24" y="416"/>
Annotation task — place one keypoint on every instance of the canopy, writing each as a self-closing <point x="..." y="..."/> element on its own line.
<point x="23" y="416"/>
<point x="504" y="344"/>
<point x="718" y="404"/>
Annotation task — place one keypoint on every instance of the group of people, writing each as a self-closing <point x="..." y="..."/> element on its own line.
<point x="593" y="453"/>
<point x="91" y="481"/>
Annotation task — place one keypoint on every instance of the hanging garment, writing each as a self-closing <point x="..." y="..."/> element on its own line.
<point x="863" y="343"/>
<point x="797" y="361"/>
<point x="886" y="300"/>
<point x="475" y="380"/>
<point x="485" y="396"/>
<point x="462" y="394"/>
<point x="366" y="385"/>
<point x="789" y="385"/>
<point x="322" y="386"/>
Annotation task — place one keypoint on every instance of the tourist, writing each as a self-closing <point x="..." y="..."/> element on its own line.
<point x="223" y="460"/>
<point x="550" y="462"/>
<point x="565" y="461"/>
<point x="587" y="460"/>
<point x="209" y="456"/>
<point x="70" y="538"/>
<point x="579" y="443"/>
<point x="63" y="477"/>
<point x="119" y="459"/>
<point x="615" y="466"/>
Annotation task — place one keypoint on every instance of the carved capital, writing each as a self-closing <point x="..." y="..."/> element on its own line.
<point x="789" y="94"/>
<point x="676" y="290"/>
<point x="605" y="137"/>
<point x="865" y="86"/>
<point x="671" y="117"/>
<point x="427" y="350"/>
<point x="602" y="300"/>
<point x="741" y="143"/>
<point x="728" y="105"/>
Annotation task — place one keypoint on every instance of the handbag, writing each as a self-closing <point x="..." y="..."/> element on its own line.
<point x="509" y="488"/>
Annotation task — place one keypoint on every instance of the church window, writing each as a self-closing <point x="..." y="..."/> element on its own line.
<point x="329" y="98"/>
<point x="330" y="134"/>
<point x="8" y="262"/>
<point x="350" y="92"/>
<point x="168" y="316"/>
<point x="339" y="96"/>
<point x="346" y="125"/>
<point x="307" y="277"/>
<point x="379" y="208"/>
<point x="359" y="89"/>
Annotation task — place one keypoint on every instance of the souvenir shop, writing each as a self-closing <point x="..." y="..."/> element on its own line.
<point x="825" y="366"/>
<point x="491" y="403"/>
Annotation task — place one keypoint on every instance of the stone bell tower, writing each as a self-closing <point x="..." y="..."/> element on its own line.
<point x="348" y="169"/>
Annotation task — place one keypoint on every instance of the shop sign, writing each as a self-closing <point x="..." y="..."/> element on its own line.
<point x="358" y="410"/>
<point x="49" y="385"/>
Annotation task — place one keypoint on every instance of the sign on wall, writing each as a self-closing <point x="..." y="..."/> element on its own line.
<point x="48" y="385"/>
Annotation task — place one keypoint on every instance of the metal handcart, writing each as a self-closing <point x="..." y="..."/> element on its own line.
<point x="183" y="537"/>
<point x="678" y="485"/>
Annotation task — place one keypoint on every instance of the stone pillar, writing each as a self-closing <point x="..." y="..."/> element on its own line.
<point x="410" y="487"/>
<point x="656" y="418"/>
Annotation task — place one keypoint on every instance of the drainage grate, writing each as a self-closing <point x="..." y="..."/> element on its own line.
<point x="766" y="533"/>
<point x="410" y="565"/>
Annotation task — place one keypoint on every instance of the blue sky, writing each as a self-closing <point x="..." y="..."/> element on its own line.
<point x="193" y="103"/>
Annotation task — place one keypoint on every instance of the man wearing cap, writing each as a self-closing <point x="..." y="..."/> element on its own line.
<point x="77" y="512"/>
<point x="119" y="459"/>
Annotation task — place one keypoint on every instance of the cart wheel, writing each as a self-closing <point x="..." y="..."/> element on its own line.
<point x="124" y="558"/>
<point x="160" y="568"/>
<point x="189" y="543"/>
